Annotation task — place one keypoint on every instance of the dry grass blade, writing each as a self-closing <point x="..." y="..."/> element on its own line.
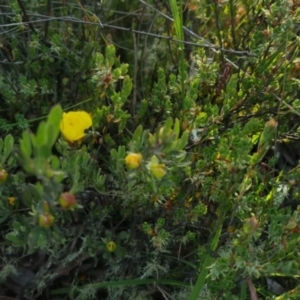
<point x="252" y="289"/>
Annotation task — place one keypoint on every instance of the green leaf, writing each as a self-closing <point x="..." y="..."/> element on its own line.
<point x="268" y="133"/>
<point x="55" y="162"/>
<point x="17" y="225"/>
<point x="1" y="145"/>
<point x="34" y="143"/>
<point x="42" y="134"/>
<point x="55" y="115"/>
<point x="127" y="87"/>
<point x="44" y="151"/>
<point x="124" y="68"/>
<point x="160" y="223"/>
<point x="110" y="55"/>
<point x="53" y="134"/>
<point x="126" y="283"/>
<point x="201" y="279"/>
<point x="4" y="218"/>
<point x="144" y="138"/>
<point x="183" y="141"/>
<point x="123" y="235"/>
<point x="35" y="191"/>
<point x="27" y="198"/>
<point x="176" y="129"/>
<point x="33" y="238"/>
<point x="12" y="238"/>
<point x="121" y="152"/>
<point x="137" y="134"/>
<point x="25" y="144"/>
<point x="167" y="126"/>
<point x="178" y="19"/>
<point x="8" y="146"/>
<point x="39" y="188"/>
<point x="53" y="122"/>
<point x="114" y="154"/>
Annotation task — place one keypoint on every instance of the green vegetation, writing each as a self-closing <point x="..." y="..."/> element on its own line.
<point x="149" y="150"/>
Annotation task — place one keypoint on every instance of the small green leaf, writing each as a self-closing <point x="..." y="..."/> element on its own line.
<point x="4" y="218"/>
<point x="53" y="123"/>
<point x="127" y="87"/>
<point x="34" y="237"/>
<point x="8" y="146"/>
<point x="110" y="55"/>
<point x="168" y="125"/>
<point x="121" y="152"/>
<point x="183" y="141"/>
<point x="114" y="154"/>
<point x="1" y="145"/>
<point x="55" y="115"/>
<point x="55" y="162"/>
<point x="137" y="134"/>
<point x="42" y="134"/>
<point x="160" y="223"/>
<point x="268" y="133"/>
<point x="25" y="144"/>
<point x="176" y="129"/>
<point x="17" y="225"/>
<point x="12" y="238"/>
<point x="44" y="151"/>
<point x="53" y="134"/>
<point x="34" y="143"/>
<point x="123" y="235"/>
<point x="35" y="192"/>
<point x="144" y="138"/>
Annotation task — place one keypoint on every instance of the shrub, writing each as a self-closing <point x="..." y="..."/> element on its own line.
<point x="169" y="170"/>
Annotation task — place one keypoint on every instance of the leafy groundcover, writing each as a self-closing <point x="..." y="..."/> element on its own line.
<point x="149" y="149"/>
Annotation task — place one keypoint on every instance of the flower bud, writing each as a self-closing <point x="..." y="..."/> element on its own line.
<point x="12" y="200"/>
<point x="133" y="160"/>
<point x="46" y="207"/>
<point x="67" y="200"/>
<point x="251" y="225"/>
<point x="3" y="176"/>
<point x="46" y="220"/>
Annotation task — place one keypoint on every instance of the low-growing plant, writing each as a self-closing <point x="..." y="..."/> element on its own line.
<point x="142" y="160"/>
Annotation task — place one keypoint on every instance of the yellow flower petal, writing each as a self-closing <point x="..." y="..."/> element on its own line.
<point x="73" y="125"/>
<point x="111" y="246"/>
<point x="158" y="170"/>
<point x="133" y="160"/>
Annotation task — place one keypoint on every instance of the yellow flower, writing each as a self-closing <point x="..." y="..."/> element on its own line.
<point x="12" y="200"/>
<point x="133" y="160"/>
<point x="111" y="246"/>
<point x="158" y="170"/>
<point x="73" y="125"/>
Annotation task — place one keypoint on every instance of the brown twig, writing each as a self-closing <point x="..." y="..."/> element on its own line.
<point x="205" y="43"/>
<point x="25" y="15"/>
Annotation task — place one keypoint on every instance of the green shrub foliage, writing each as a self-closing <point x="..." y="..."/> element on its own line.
<point x="186" y="186"/>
